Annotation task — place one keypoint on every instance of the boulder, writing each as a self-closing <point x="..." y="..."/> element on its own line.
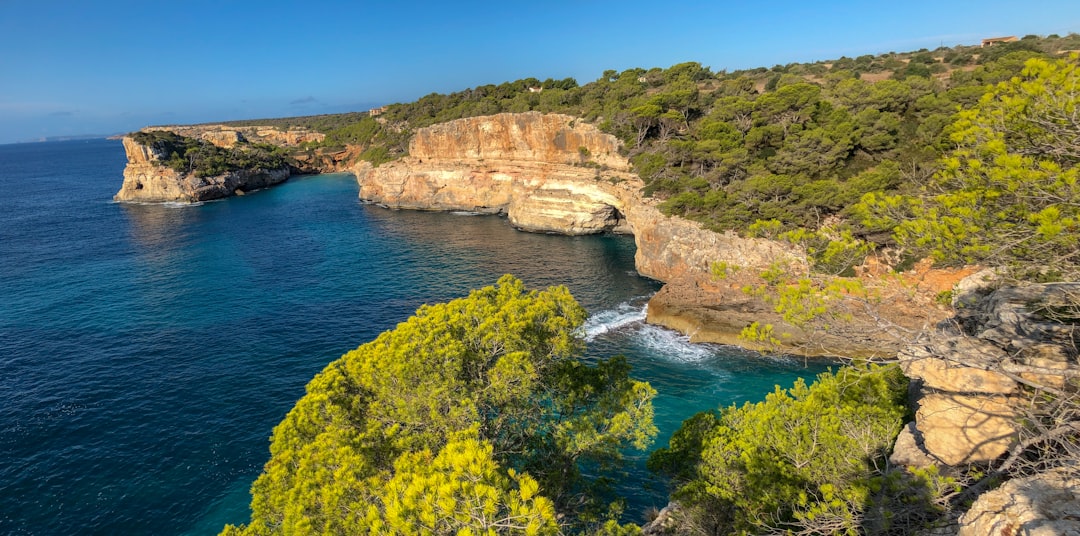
<point x="961" y="429"/>
<point x="1046" y="504"/>
<point x="957" y="364"/>
<point x="909" y="451"/>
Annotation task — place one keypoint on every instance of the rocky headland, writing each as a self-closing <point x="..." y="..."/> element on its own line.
<point x="554" y="173"/>
<point x="149" y="179"/>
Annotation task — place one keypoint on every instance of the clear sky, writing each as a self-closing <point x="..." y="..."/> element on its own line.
<point x="96" y="66"/>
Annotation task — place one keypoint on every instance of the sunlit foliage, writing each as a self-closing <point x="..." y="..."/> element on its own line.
<point x="470" y="417"/>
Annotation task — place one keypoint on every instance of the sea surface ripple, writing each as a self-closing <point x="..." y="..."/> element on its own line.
<point x="147" y="351"/>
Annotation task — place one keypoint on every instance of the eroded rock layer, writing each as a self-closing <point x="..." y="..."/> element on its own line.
<point x="549" y="173"/>
<point x="147" y="180"/>
<point x="555" y="173"/>
<point x="969" y="372"/>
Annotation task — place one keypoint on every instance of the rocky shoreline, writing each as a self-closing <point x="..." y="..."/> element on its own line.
<point x="553" y="173"/>
<point x="147" y="178"/>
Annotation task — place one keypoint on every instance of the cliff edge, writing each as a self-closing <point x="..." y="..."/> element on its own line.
<point x="163" y="163"/>
<point x="555" y="173"/>
<point x="148" y="180"/>
<point x="552" y="173"/>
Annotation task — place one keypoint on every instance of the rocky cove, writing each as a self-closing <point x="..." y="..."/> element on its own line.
<point x="554" y="174"/>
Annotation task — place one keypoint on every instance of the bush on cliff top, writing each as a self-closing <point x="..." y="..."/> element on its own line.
<point x="809" y="460"/>
<point x="1008" y="194"/>
<point x="204" y="159"/>
<point x="472" y="416"/>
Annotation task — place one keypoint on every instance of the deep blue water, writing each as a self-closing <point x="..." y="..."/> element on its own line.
<point x="146" y="352"/>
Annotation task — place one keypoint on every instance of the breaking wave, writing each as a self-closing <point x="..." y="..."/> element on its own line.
<point x="622" y="316"/>
<point x="674" y="345"/>
<point x="628" y="319"/>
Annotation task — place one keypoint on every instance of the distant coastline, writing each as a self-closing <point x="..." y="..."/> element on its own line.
<point x="48" y="139"/>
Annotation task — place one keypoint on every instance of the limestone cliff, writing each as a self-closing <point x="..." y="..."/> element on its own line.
<point x="228" y="136"/>
<point x="147" y="180"/>
<point x="550" y="173"/>
<point x="521" y="137"/>
<point x="547" y="173"/>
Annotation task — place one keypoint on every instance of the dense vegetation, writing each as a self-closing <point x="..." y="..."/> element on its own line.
<point x="474" y="417"/>
<point x="319" y="123"/>
<point x="796" y="143"/>
<point x="810" y="460"/>
<point x="204" y="159"/>
<point x="471" y="417"/>
<point x="1008" y="195"/>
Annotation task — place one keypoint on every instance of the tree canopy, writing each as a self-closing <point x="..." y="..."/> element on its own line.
<point x="472" y="416"/>
<point x="806" y="460"/>
<point x="204" y="159"/>
<point x="1008" y="194"/>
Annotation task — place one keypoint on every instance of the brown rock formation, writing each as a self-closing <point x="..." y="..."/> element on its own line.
<point x="969" y="374"/>
<point x="547" y="173"/>
<point x="522" y="137"/>
<point x="146" y="180"/>
<point x="1047" y="504"/>
<point x="961" y="429"/>
<point x="228" y="136"/>
<point x="958" y="364"/>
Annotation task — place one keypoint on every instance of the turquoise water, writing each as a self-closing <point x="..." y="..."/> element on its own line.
<point x="146" y="352"/>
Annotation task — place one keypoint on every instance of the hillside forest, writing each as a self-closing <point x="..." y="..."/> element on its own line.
<point x="474" y="417"/>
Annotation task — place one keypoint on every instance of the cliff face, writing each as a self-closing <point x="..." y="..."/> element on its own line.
<point x="228" y="136"/>
<point x="147" y="180"/>
<point x="547" y="173"/>
<point x="550" y="173"/>
<point x="523" y="137"/>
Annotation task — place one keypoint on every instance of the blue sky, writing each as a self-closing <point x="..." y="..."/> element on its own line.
<point x="105" y="67"/>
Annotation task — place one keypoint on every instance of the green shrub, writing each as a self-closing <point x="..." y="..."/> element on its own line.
<point x="805" y="457"/>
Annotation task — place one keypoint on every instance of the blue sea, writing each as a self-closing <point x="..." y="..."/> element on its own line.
<point x="147" y="351"/>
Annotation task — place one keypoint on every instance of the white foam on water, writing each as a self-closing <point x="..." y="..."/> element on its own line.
<point x="465" y="213"/>
<point x="166" y="204"/>
<point x="629" y="319"/>
<point x="623" y="315"/>
<point x="673" y="345"/>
